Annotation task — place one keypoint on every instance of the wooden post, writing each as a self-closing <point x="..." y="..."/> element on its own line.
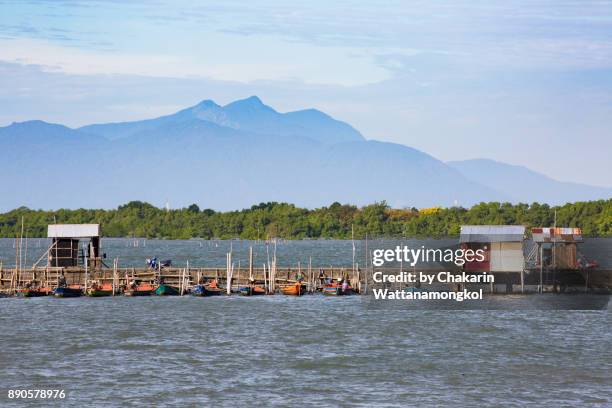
<point x="367" y="275"/>
<point x="353" y="244"/>
<point x="265" y="279"/>
<point x="14" y="276"/>
<point x="541" y="269"/>
<point x="228" y="277"/>
<point x="86" y="273"/>
<point x="522" y="281"/>
<point x="310" y="276"/>
<point x="114" y="276"/>
<point x="250" y="264"/>
<point x="358" y="278"/>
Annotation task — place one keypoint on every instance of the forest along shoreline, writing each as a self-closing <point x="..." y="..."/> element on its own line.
<point x="287" y="221"/>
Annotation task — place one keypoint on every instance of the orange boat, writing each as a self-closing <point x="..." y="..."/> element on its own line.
<point x="296" y="289"/>
<point x="100" y="289"/>
<point x="141" y="289"/>
<point x="252" y="290"/>
<point x="34" y="292"/>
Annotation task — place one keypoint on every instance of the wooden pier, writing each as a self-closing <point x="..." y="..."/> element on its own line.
<point x="13" y="279"/>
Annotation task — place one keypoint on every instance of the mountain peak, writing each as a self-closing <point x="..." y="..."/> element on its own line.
<point x="36" y="124"/>
<point x="253" y="100"/>
<point x="207" y="103"/>
<point x="252" y="103"/>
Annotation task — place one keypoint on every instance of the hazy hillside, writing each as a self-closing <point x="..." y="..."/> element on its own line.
<point x="229" y="157"/>
<point x="249" y="115"/>
<point x="524" y="185"/>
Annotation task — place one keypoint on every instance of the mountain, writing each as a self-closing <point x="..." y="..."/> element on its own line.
<point x="249" y="115"/>
<point x="233" y="156"/>
<point x="524" y="185"/>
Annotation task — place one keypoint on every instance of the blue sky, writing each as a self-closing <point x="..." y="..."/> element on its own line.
<point x="521" y="82"/>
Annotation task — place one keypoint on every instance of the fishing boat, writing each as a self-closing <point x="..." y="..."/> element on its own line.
<point x="166" y="290"/>
<point x="206" y="290"/>
<point x="336" y="289"/>
<point x="140" y="289"/>
<point x="68" y="291"/>
<point x="296" y="289"/>
<point x="34" y="292"/>
<point x="100" y="289"/>
<point x="252" y="290"/>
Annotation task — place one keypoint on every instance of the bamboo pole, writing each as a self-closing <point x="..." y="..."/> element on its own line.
<point x="274" y="267"/>
<point x="21" y="244"/>
<point x="228" y="278"/>
<point x="25" y="259"/>
<point x="187" y="275"/>
<point x="14" y="273"/>
<point x="114" y="276"/>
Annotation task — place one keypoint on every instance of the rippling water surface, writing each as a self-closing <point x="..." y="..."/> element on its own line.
<point x="311" y="351"/>
<point x="308" y="351"/>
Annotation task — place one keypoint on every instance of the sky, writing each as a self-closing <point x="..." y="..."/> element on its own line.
<point x="526" y="83"/>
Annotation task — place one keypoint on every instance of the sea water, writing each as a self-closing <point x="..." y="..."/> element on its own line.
<point x="306" y="351"/>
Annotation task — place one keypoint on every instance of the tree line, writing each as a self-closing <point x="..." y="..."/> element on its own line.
<point x="282" y="220"/>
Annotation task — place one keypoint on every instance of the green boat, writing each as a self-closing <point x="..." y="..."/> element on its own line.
<point x="166" y="290"/>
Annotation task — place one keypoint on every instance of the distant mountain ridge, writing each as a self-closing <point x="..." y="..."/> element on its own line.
<point x="249" y="115"/>
<point x="233" y="156"/>
<point x="522" y="184"/>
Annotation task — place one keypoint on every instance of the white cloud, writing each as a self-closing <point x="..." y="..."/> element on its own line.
<point x="287" y="62"/>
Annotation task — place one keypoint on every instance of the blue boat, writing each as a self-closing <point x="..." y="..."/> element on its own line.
<point x="66" y="291"/>
<point x="252" y="291"/>
<point x="335" y="289"/>
<point x="205" y="290"/>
